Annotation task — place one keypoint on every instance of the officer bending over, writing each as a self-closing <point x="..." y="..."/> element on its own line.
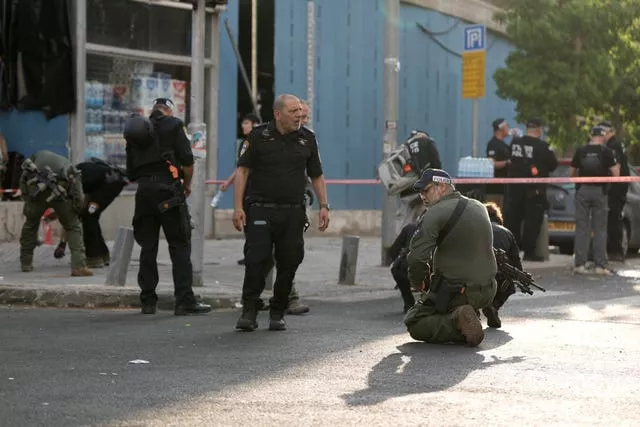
<point x="49" y="180"/>
<point x="505" y="240"/>
<point x="617" y="195"/>
<point x="594" y="159"/>
<point x="157" y="150"/>
<point x="424" y="154"/>
<point x="525" y="204"/>
<point x="275" y="158"/>
<point x="455" y="237"/>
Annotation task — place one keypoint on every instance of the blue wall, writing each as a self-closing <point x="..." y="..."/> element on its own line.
<point x="29" y="131"/>
<point x="228" y="100"/>
<point x="348" y="105"/>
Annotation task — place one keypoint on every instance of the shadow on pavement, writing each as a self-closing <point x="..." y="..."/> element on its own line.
<point x="421" y="368"/>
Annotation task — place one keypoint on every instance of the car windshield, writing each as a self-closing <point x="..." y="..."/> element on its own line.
<point x="562" y="171"/>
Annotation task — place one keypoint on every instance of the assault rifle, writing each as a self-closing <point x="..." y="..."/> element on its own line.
<point x="521" y="279"/>
<point x="44" y="179"/>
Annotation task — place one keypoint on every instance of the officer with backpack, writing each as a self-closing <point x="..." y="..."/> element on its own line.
<point x="160" y="160"/>
<point x="592" y="160"/>
<point x="424" y="154"/>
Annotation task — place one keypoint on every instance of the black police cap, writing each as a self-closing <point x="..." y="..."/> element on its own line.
<point x="598" y="131"/>
<point x="534" y="122"/>
<point x="164" y="101"/>
<point x="497" y="123"/>
<point x="605" y="124"/>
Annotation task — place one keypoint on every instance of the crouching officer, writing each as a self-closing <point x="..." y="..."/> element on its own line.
<point x="455" y="237"/>
<point x="157" y="150"/>
<point x="592" y="160"/>
<point x="276" y="156"/>
<point x="505" y="240"/>
<point x="531" y="157"/>
<point x="49" y="180"/>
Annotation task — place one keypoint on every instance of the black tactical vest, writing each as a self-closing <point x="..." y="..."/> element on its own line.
<point x="142" y="147"/>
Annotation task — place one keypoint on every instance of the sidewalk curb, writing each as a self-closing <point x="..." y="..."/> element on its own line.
<point x="98" y="298"/>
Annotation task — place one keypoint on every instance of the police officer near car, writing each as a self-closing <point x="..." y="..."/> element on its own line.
<point x="455" y="237"/>
<point x="49" y="180"/>
<point x="424" y="154"/>
<point x="592" y="160"/>
<point x="617" y="195"/>
<point x="158" y="155"/>
<point x="275" y="158"/>
<point x="525" y="204"/>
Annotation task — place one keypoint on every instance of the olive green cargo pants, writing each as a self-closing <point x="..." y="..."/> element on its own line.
<point x="33" y="210"/>
<point x="425" y="324"/>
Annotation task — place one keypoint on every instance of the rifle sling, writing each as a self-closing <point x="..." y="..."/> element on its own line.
<point x="453" y="220"/>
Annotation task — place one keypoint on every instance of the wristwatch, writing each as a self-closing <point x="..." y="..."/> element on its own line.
<point x="325" y="205"/>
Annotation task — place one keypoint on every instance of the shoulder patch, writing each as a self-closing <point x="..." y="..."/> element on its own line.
<point x="245" y="147"/>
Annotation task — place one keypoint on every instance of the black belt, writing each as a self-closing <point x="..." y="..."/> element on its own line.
<point x="276" y="205"/>
<point x="156" y="178"/>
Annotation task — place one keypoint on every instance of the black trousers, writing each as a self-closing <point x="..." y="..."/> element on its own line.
<point x="524" y="212"/>
<point x="147" y="221"/>
<point x="272" y="231"/>
<point x="614" y="224"/>
<point x="94" y="244"/>
<point x="400" y="273"/>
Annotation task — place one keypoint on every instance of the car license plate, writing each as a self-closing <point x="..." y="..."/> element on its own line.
<point x="562" y="226"/>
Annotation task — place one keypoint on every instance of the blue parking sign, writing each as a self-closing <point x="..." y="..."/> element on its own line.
<point x="474" y="37"/>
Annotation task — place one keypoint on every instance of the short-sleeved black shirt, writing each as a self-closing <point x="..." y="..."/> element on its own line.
<point x="499" y="151"/>
<point x="278" y="163"/>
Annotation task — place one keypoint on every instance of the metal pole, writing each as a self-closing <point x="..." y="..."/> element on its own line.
<point x="196" y="200"/>
<point x="475" y="127"/>
<point x="391" y="69"/>
<point x="212" y="126"/>
<point x="310" y="58"/>
<point x="243" y="70"/>
<point x="77" y="134"/>
<point x="254" y="49"/>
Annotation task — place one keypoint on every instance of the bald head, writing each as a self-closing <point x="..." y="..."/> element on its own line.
<point x="286" y="111"/>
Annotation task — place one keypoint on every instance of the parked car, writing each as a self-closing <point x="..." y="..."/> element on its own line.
<point x="562" y="222"/>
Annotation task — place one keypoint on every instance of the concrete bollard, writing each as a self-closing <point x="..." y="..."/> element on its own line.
<point x="348" y="260"/>
<point x="542" y="244"/>
<point x="120" y="257"/>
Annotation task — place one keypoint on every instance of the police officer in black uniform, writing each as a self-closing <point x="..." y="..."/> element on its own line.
<point x="275" y="158"/>
<point x="158" y="154"/>
<point x="505" y="240"/>
<point x="617" y="195"/>
<point x="499" y="151"/>
<point x="424" y="154"/>
<point x="531" y="157"/>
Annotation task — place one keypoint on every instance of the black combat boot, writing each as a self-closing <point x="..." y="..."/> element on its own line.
<point x="276" y="321"/>
<point x="248" y="319"/>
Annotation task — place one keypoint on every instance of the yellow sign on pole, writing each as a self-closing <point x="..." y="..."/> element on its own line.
<point x="473" y="74"/>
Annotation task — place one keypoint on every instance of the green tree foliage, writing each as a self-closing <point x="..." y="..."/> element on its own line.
<point x="573" y="58"/>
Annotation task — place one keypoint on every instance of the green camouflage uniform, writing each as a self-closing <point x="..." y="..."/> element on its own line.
<point x="464" y="256"/>
<point x="66" y="208"/>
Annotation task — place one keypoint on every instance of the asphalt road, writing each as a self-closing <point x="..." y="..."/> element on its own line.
<point x="567" y="357"/>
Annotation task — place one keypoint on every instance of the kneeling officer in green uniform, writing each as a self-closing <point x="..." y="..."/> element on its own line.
<point x="49" y="180"/>
<point x="455" y="237"/>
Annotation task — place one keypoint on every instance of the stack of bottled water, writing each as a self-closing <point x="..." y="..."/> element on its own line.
<point x="475" y="167"/>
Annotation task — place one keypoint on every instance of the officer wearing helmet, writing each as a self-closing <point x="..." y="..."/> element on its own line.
<point x="424" y="154"/>
<point x="160" y="160"/>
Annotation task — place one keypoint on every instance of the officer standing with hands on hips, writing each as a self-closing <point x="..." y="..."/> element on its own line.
<point x="617" y="195"/>
<point x="276" y="156"/>
<point x="158" y="154"/>
<point x="531" y="157"/>
<point x="592" y="160"/>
